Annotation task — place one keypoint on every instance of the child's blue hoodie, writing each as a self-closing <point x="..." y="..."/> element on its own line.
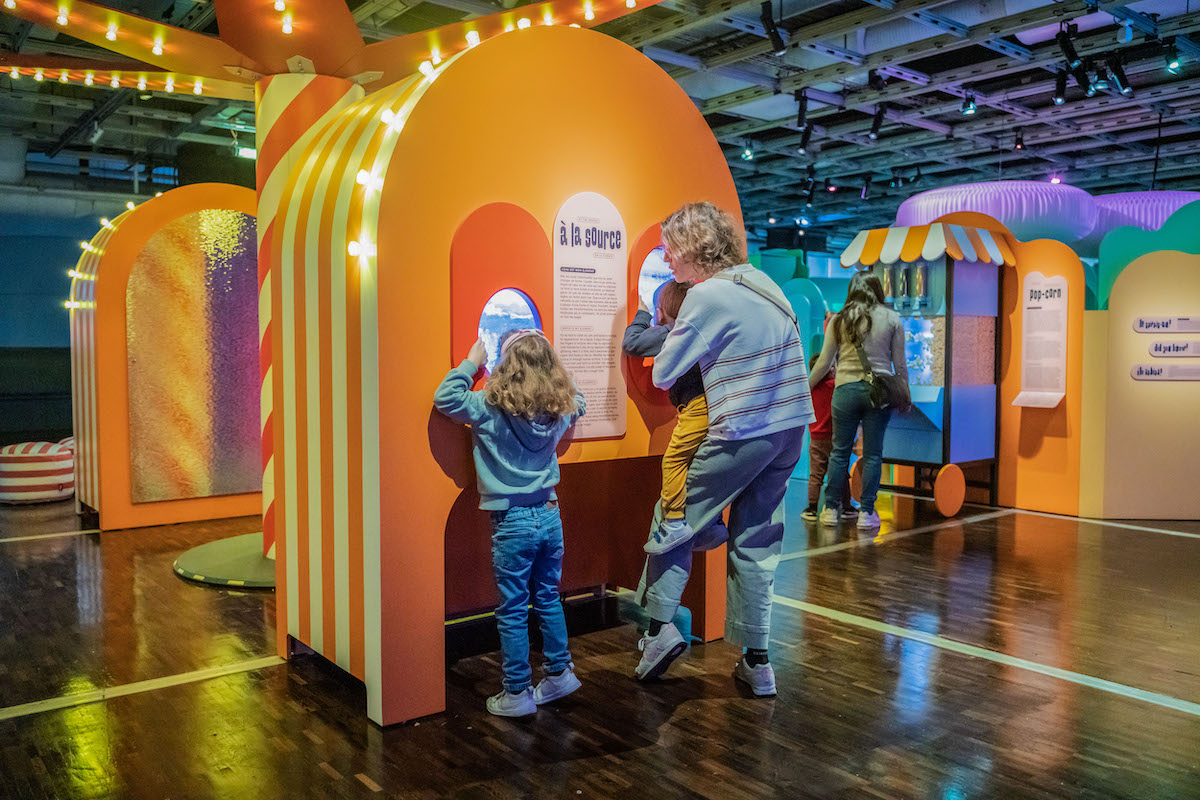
<point x="515" y="459"/>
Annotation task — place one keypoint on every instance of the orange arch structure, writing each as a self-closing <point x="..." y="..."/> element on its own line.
<point x="374" y="494"/>
<point x="159" y="387"/>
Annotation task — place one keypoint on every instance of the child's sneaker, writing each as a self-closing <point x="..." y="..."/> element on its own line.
<point x="659" y="651"/>
<point x="810" y="514"/>
<point x="553" y="687"/>
<point x="669" y="534"/>
<point x="760" y="679"/>
<point x="508" y="704"/>
<point x="829" y="516"/>
<point x="849" y="512"/>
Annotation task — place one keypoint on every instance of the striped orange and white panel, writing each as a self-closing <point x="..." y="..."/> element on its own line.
<point x="325" y="401"/>
<point x="926" y="242"/>
<point x="82" y="309"/>
<point x="36" y="472"/>
<point x="289" y="111"/>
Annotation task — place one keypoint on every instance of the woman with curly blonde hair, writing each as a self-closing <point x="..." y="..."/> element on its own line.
<point x="516" y="423"/>
<point x="736" y="323"/>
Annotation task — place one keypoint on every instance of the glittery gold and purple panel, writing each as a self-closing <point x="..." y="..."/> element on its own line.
<point x="192" y="346"/>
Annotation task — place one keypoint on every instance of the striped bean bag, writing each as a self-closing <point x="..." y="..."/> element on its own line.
<point x="36" y="472"/>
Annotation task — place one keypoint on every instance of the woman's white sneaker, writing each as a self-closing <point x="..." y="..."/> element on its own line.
<point x="760" y="679"/>
<point x="553" y="687"/>
<point x="659" y="651"/>
<point x="508" y="704"/>
<point x="868" y="521"/>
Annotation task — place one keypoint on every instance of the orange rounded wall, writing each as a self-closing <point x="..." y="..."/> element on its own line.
<point x="164" y="385"/>
<point x="403" y="215"/>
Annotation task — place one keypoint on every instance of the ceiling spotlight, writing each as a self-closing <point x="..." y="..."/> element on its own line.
<point x="1126" y="35"/>
<point x="805" y="138"/>
<point x="157" y="49"/>
<point x="1083" y="81"/>
<point x="14" y="73"/>
<point x="895" y="181"/>
<point x="1055" y="180"/>
<point x="778" y="45"/>
<point x="1019" y="143"/>
<point x="1068" y="50"/>
<point x="1171" y="58"/>
<point x="62" y="16"/>
<point x="770" y="220"/>
<point x="1101" y="82"/>
<point x="877" y="123"/>
<point x="865" y="192"/>
<point x="747" y="153"/>
<point x="1060" y="88"/>
<point x="916" y="178"/>
<point x="830" y="186"/>
<point x="64" y="76"/>
<point x="287" y="23"/>
<point x="803" y="222"/>
<point x="1120" y="81"/>
<point x="875" y="80"/>
<point x="114" y="81"/>
<point x="38" y="76"/>
<point x="111" y="33"/>
<point x="801" y="96"/>
<point x="968" y="105"/>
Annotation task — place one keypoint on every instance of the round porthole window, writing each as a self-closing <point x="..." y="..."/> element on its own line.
<point x="506" y="310"/>
<point x="655" y="272"/>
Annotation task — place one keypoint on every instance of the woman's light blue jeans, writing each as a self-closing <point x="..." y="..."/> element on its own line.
<point x="851" y="408"/>
<point x="527" y="555"/>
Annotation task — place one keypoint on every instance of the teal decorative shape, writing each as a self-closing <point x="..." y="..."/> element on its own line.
<point x="1124" y="245"/>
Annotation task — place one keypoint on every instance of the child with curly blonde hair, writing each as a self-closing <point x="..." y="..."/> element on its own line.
<point x="516" y="422"/>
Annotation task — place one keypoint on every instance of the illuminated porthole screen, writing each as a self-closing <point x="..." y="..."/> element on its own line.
<point x="506" y="310"/>
<point x="654" y="274"/>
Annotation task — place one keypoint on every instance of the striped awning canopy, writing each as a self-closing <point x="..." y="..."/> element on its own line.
<point x="927" y="242"/>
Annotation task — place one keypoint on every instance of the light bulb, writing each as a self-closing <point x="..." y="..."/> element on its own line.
<point x="388" y="116"/>
<point x="170" y="87"/>
<point x="509" y="28"/>
<point x="105" y="222"/>
<point x="547" y="19"/>
<point x="10" y="3"/>
<point x="62" y="78"/>
<point x="62" y="16"/>
<point x="280" y="5"/>
<point x="158" y="194"/>
<point x="426" y="69"/>
<point x="111" y="35"/>
<point x="89" y="79"/>
<point x="472" y="38"/>
<point x="198" y="88"/>
<point x="72" y="273"/>
<point x="14" y="73"/>
<point x="631" y="3"/>
<point x="38" y="76"/>
<point x="523" y="23"/>
<point x="435" y="56"/>
<point x="157" y="49"/>
<point x="115" y="82"/>
<point x="352" y="248"/>
<point x="1056" y="180"/>
<point x="142" y="83"/>
<point x="129" y="205"/>
<point x="287" y="23"/>
<point x="85" y="246"/>
<point x="588" y="13"/>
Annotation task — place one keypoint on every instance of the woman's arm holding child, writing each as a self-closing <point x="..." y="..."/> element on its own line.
<point x="454" y="397"/>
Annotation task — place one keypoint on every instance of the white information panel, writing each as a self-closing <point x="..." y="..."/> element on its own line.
<point x="1180" y="348"/>
<point x="1165" y="372"/>
<point x="1167" y="324"/>
<point x="591" y="284"/>
<point x="1043" y="341"/>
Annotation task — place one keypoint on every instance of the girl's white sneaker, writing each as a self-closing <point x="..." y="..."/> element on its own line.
<point x="508" y="704"/>
<point x="760" y="679"/>
<point x="553" y="687"/>
<point x="868" y="521"/>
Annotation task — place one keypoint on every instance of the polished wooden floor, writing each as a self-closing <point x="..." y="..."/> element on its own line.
<point x="998" y="655"/>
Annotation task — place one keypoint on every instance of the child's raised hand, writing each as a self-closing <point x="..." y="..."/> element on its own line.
<point x="478" y="354"/>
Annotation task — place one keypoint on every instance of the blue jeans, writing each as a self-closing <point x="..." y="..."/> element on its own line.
<point x="851" y="408"/>
<point x="527" y="552"/>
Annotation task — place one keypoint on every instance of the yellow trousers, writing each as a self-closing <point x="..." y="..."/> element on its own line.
<point x="685" y="441"/>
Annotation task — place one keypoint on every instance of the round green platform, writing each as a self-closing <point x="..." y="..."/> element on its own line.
<point x="236" y="561"/>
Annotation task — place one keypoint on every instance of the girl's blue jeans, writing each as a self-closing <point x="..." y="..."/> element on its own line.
<point x="527" y="554"/>
<point x="851" y="408"/>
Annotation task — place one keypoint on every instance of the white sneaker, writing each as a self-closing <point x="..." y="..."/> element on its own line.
<point x="507" y="704"/>
<point x="868" y="521"/>
<point x="760" y="679"/>
<point x="659" y="651"/>
<point x="553" y="687"/>
<point x="829" y="516"/>
<point x="670" y="534"/>
<point x="849" y="512"/>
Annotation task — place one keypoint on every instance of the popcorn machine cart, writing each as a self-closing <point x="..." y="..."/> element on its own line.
<point x="944" y="280"/>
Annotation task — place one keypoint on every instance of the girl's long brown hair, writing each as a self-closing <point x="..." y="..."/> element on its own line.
<point x="530" y="380"/>
<point x="854" y="320"/>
